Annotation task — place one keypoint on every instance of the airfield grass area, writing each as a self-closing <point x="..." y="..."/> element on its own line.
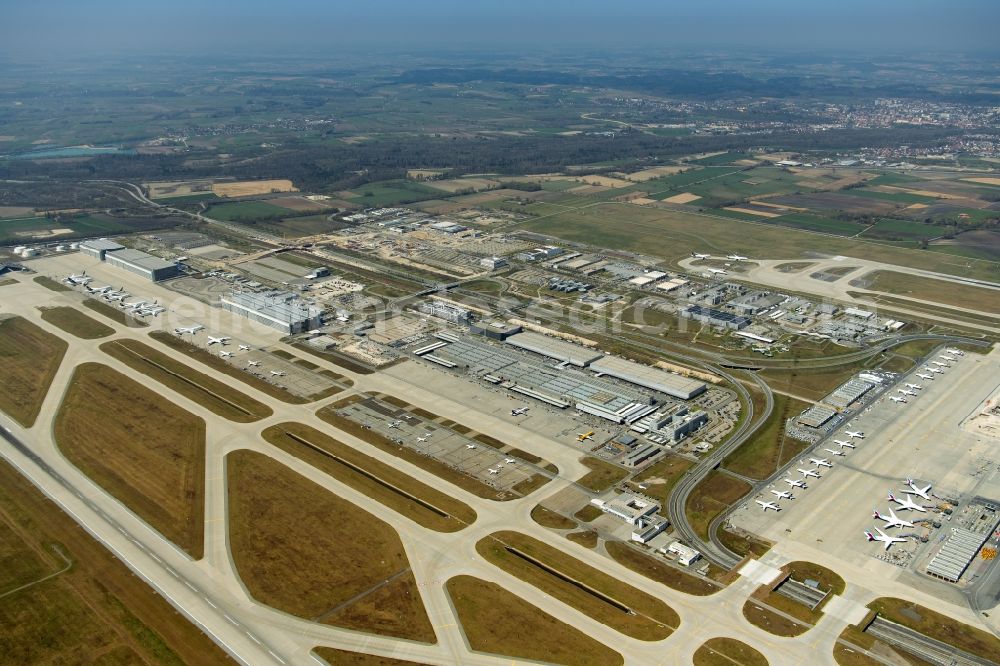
<point x="955" y="320"/>
<point x="810" y="383"/>
<point x="602" y="475"/>
<point x="6" y="282"/>
<point x="589" y="590"/>
<point x="30" y="358"/>
<point x="94" y="610"/>
<point x="661" y="477"/>
<point x="588" y="513"/>
<point x="743" y="543"/>
<point x="432" y="465"/>
<point x="661" y="572"/>
<point x="215" y="396"/>
<point x="141" y="448"/>
<point x="939" y="291"/>
<point x="220" y="365"/>
<point x="551" y="519"/>
<point x="287" y="537"/>
<point x="585" y="538"/>
<point x="674" y="235"/>
<point x="771" y="622"/>
<point x="727" y="652"/>
<point x="937" y="626"/>
<point x="710" y="498"/>
<point x="76" y="323"/>
<point x="113" y="313"/>
<point x="338" y="657"/>
<point x="499" y="622"/>
<point x="800" y="571"/>
<point x="49" y="283"/>
<point x="770" y="447"/>
<point x="400" y="492"/>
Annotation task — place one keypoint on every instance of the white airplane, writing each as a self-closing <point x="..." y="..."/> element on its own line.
<point x="808" y="472"/>
<point x="698" y="255"/>
<point x="135" y="305"/>
<point x="152" y="311"/>
<point x="244" y="347"/>
<point x="768" y="505"/>
<point x="884" y="538"/>
<point x="906" y="503"/>
<point x="224" y="340"/>
<point x="470" y="446"/>
<point x="940" y="364"/>
<point x="253" y="364"/>
<point x="936" y="371"/>
<point x="844" y="444"/>
<point x="923" y="493"/>
<point x="394" y="424"/>
<point x="510" y="461"/>
<point x="82" y="278"/>
<point x="854" y="435"/>
<point x="278" y="373"/>
<point x="519" y="411"/>
<point x="421" y="439"/>
<point x="226" y="354"/>
<point x="922" y="376"/>
<point x="190" y="329"/>
<point x="821" y="462"/>
<point x="834" y="452"/>
<point x="494" y="471"/>
<point x="956" y="352"/>
<point x="906" y="392"/>
<point x="116" y="296"/>
<point x="98" y="290"/>
<point x="735" y="257"/>
<point x="892" y="520"/>
<point x="783" y="494"/>
<point x="895" y="399"/>
<point x="947" y="358"/>
<point x="915" y="387"/>
<point x="795" y="483"/>
<point x="717" y="271"/>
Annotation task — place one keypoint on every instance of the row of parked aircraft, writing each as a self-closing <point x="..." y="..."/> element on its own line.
<point x="905" y="503"/>
<point x="807" y="473"/>
<point x="730" y="257"/>
<point x="112" y="295"/>
<point x="223" y="341"/>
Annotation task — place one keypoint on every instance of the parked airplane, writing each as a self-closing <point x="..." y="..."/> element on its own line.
<point x="936" y="371"/>
<point x="906" y="503"/>
<point x="915" y="387"/>
<point x="895" y="399"/>
<point x="134" y="305"/>
<point x="834" y="452"/>
<point x="226" y="354"/>
<point x="906" y="392"/>
<point x="584" y="436"/>
<point x="82" y="278"/>
<point x="922" y="376"/>
<point x="808" y="472"/>
<point x="190" y="329"/>
<point x="716" y="271"/>
<point x="795" y="483"/>
<point x="956" y="352"/>
<point x="821" y="462"/>
<point x="947" y="358"/>
<point x="244" y="347"/>
<point x="855" y="435"/>
<point x="698" y="255"/>
<point x="394" y="424"/>
<point x="253" y="364"/>
<point x="278" y="373"/>
<point x="735" y="257"/>
<point x="519" y="411"/>
<point x="152" y="310"/>
<point x="119" y="296"/>
<point x="510" y="461"/>
<point x="924" y="493"/>
<point x="224" y="340"/>
<point x="783" y="494"/>
<point x="940" y="364"/>
<point x="892" y="520"/>
<point x="421" y="439"/>
<point x="884" y="538"/>
<point x="768" y="505"/>
<point x="494" y="471"/>
<point x="470" y="446"/>
<point x="844" y="443"/>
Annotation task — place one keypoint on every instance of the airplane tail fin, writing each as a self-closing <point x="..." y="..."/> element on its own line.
<point x="891" y="497"/>
<point x="876" y="514"/>
<point x="871" y="537"/>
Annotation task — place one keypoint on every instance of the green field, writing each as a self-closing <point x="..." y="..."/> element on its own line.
<point x="824" y="225"/>
<point x="898" y="197"/>
<point x="393" y="192"/>
<point x="244" y="210"/>
<point x="675" y="235"/>
<point x="22" y="228"/>
<point x="724" y="158"/>
<point x="892" y="229"/>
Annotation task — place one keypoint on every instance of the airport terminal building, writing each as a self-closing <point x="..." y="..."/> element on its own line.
<point x="282" y="310"/>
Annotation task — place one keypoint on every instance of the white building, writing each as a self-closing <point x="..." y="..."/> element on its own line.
<point x="282" y="310"/>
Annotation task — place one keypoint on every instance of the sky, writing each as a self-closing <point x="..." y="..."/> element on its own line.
<point x="68" y="28"/>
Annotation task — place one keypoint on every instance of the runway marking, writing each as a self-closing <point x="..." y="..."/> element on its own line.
<point x="271" y="652"/>
<point x="154" y="556"/>
<point x="231" y="619"/>
<point x="192" y="587"/>
<point x="253" y="638"/>
<point x="210" y="603"/>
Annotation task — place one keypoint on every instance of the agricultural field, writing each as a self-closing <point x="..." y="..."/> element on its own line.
<point x="499" y="622"/>
<point x="93" y="609"/>
<point x="67" y="227"/>
<point x="393" y="193"/>
<point x="30" y="357"/>
<point x="249" y="188"/>
<point x="305" y="225"/>
<point x="977" y="244"/>
<point x="159" y="473"/>
<point x="286" y="536"/>
<point x="75" y="322"/>
<point x="244" y="211"/>
<point x="603" y="598"/>
<point x="400" y="492"/>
